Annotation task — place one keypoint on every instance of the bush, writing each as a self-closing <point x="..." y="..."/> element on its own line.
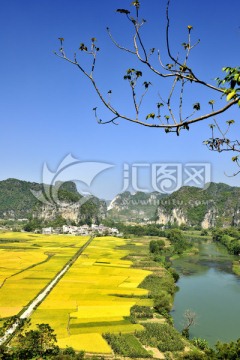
<point x="126" y="345"/>
<point x="202" y="344"/>
<point x="141" y="312"/>
<point x="69" y="351"/>
<point x="174" y="274"/>
<point x="162" y="336"/>
<point x="194" y="355"/>
<point x="156" y="284"/>
<point x="156" y="246"/>
<point x="162" y="302"/>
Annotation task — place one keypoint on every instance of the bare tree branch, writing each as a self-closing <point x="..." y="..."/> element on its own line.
<point x="175" y="97"/>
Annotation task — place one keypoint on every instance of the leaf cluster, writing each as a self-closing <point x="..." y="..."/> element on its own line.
<point x="162" y="336"/>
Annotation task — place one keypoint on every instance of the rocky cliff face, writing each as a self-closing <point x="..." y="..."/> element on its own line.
<point x="139" y="207"/>
<point x="67" y="211"/>
<point x="236" y="217"/>
<point x="210" y="219"/>
<point x="94" y="211"/>
<point x="218" y="205"/>
<point x="176" y="216"/>
<point x="17" y="200"/>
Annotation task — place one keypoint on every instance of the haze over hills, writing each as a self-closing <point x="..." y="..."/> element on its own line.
<point x="217" y="205"/>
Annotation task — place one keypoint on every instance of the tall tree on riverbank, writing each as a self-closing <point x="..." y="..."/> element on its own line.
<point x="189" y="320"/>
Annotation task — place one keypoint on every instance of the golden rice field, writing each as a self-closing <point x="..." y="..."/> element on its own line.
<point x="28" y="262"/>
<point x="93" y="297"/>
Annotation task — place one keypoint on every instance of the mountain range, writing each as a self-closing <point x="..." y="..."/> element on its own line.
<point x="217" y="205"/>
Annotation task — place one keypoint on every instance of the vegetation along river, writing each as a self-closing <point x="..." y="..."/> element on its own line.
<point x="208" y="287"/>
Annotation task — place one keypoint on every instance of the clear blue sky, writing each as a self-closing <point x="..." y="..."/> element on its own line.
<point x="46" y="104"/>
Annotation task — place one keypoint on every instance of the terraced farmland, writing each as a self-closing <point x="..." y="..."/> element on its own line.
<point x="93" y="297"/>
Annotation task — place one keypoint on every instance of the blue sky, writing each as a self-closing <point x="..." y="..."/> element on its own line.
<point x="46" y="104"/>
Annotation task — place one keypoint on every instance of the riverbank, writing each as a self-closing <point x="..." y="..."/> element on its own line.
<point x="162" y="288"/>
<point x="208" y="287"/>
<point x="236" y="267"/>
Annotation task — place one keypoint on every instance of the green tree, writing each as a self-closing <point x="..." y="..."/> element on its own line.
<point x="39" y="342"/>
<point x="229" y="351"/>
<point x="156" y="246"/>
<point x="177" y="240"/>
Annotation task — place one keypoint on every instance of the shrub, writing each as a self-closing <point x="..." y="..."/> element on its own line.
<point x="162" y="336"/>
<point x="141" y="312"/>
<point x="126" y="345"/>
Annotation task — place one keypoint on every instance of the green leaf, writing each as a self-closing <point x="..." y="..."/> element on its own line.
<point x="196" y="106"/>
<point x="82" y="47"/>
<point x="146" y="84"/>
<point x="136" y="3"/>
<point x="138" y="73"/>
<point x="159" y="105"/>
<point x="235" y="158"/>
<point x="231" y="95"/>
<point x="93" y="39"/>
<point x="185" y="45"/>
<point x="186" y="126"/>
<point x="123" y="11"/>
<point x="151" y="115"/>
<point x="229" y="122"/>
<point x="190" y="27"/>
<point x="233" y="83"/>
<point x="167" y="130"/>
<point x="211" y="102"/>
<point x="183" y="68"/>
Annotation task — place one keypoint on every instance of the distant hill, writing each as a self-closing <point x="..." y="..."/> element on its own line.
<point x="217" y="205"/>
<point x="17" y="202"/>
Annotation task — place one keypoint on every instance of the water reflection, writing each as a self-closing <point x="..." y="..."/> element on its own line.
<point x="209" y="288"/>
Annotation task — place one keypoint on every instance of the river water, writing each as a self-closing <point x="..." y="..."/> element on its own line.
<point x="208" y="287"/>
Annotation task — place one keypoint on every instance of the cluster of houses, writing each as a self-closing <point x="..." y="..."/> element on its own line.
<point x="82" y="230"/>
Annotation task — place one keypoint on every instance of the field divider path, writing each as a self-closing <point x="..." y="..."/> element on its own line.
<point x="43" y="294"/>
<point x="27" y="268"/>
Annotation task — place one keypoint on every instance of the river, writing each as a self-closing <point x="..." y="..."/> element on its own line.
<point x="208" y="287"/>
